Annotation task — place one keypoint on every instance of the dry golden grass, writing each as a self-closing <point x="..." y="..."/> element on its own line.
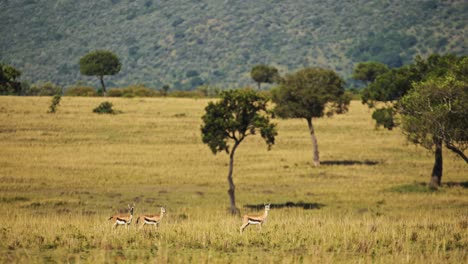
<point x="62" y="175"/>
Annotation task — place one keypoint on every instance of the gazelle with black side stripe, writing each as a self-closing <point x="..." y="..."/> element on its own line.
<point x="123" y="219"/>
<point x="255" y="219"/>
<point x="151" y="219"/>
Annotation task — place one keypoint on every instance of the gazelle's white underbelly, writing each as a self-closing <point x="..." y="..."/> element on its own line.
<point x="151" y="222"/>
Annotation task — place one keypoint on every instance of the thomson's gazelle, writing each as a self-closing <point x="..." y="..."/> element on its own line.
<point x="255" y="219"/>
<point x="151" y="219"/>
<point x="123" y="219"/>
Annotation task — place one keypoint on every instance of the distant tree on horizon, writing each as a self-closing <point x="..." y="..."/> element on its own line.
<point x="100" y="63"/>
<point x="311" y="93"/>
<point x="368" y="71"/>
<point x="8" y="80"/>
<point x="264" y="74"/>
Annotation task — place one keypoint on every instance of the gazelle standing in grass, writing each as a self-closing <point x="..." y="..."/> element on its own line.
<point x="151" y="219"/>
<point x="255" y="219"/>
<point x="123" y="219"/>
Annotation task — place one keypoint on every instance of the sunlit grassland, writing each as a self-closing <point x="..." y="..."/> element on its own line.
<point x="62" y="175"/>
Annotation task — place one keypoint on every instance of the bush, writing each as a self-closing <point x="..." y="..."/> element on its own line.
<point x="114" y="92"/>
<point x="188" y="94"/>
<point x="104" y="108"/>
<point x="44" y="89"/>
<point x="81" y="91"/>
<point x="54" y="104"/>
<point x="137" y="90"/>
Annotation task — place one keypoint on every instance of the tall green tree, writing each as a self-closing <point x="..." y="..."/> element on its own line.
<point x="389" y="87"/>
<point x="239" y="113"/>
<point x="100" y="63"/>
<point x="435" y="113"/>
<point x="8" y="80"/>
<point x="430" y="96"/>
<point x="264" y="74"/>
<point x="311" y="93"/>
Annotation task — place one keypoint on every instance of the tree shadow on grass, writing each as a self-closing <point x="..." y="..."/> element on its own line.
<point x="424" y="187"/>
<point x="305" y="206"/>
<point x="456" y="184"/>
<point x="349" y="162"/>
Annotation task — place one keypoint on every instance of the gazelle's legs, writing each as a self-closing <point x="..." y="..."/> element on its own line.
<point x="243" y="227"/>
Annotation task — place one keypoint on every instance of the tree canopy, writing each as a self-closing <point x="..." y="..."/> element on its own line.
<point x="390" y="86"/>
<point x="368" y="71"/>
<point x="264" y="74"/>
<point x="8" y="80"/>
<point x="310" y="93"/>
<point x="100" y="63"/>
<point x="431" y="97"/>
<point x="239" y="113"/>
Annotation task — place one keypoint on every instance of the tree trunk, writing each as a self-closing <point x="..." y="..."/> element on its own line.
<point x="314" y="142"/>
<point x="104" y="92"/>
<point x="436" y="178"/>
<point x="258" y="84"/>
<point x="232" y="187"/>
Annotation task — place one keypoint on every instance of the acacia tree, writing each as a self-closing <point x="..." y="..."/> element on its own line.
<point x="311" y="93"/>
<point x="368" y="71"/>
<point x="100" y="63"/>
<point x="430" y="95"/>
<point x="264" y="74"/>
<point x="239" y="113"/>
<point x="435" y="113"/>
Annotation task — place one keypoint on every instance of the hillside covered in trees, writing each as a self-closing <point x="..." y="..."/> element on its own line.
<point x="189" y="43"/>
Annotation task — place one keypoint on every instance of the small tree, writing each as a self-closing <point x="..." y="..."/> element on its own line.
<point x="311" y="93"/>
<point x="165" y="90"/>
<point x="54" y="104"/>
<point x="239" y="113"/>
<point x="264" y="74"/>
<point x="8" y="80"/>
<point x="100" y="63"/>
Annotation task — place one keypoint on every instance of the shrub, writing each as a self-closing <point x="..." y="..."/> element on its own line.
<point x="114" y="92"/>
<point x="137" y="90"/>
<point x="44" y="89"/>
<point x="81" y="91"/>
<point x="104" y="108"/>
<point x="188" y="94"/>
<point x="54" y="104"/>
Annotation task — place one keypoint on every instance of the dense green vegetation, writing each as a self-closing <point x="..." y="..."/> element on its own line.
<point x="189" y="43"/>
<point x="430" y="97"/>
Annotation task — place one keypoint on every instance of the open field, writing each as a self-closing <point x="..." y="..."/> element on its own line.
<point x="62" y="175"/>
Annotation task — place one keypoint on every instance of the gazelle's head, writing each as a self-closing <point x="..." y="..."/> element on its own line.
<point x="163" y="210"/>
<point x="267" y="207"/>
<point x="130" y="208"/>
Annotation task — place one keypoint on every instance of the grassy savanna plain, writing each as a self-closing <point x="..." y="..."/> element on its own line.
<point x="62" y="175"/>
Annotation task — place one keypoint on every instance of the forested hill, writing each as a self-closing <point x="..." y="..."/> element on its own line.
<point x="186" y="43"/>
